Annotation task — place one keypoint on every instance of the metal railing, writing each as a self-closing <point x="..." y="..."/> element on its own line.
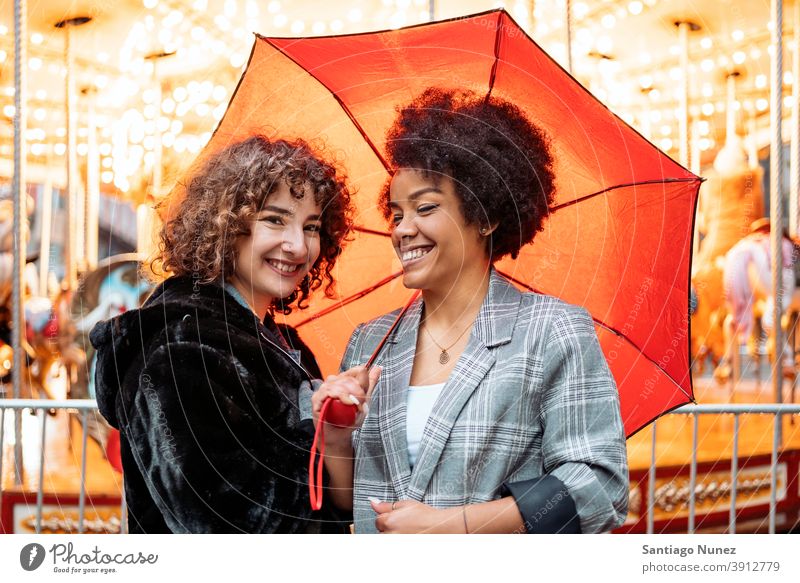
<point x="87" y="406"/>
<point x="777" y="411"/>
<point x="82" y="406"/>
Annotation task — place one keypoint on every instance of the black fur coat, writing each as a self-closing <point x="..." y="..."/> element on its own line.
<point x="209" y="411"/>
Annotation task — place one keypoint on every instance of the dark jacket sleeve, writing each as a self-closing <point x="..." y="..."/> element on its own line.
<point x="211" y="462"/>
<point x="585" y="485"/>
<point x="545" y="505"/>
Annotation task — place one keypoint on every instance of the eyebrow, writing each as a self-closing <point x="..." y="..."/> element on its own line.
<point x="418" y="193"/>
<point x="286" y="212"/>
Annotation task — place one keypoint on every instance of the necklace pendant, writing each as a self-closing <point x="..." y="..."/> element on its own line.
<point x="444" y="357"/>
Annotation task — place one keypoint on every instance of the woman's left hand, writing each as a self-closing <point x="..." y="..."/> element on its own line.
<point x="411" y="517"/>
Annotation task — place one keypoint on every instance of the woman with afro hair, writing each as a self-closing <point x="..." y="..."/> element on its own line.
<point x="495" y="411"/>
<point x="211" y="397"/>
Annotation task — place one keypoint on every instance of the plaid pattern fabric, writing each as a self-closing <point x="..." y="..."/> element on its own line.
<point x="530" y="395"/>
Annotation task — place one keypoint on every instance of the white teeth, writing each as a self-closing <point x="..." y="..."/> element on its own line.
<point x="415" y="254"/>
<point x="284" y="267"/>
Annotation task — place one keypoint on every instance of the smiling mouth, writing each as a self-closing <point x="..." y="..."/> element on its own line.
<point x="283" y="268"/>
<point x="414" y="254"/>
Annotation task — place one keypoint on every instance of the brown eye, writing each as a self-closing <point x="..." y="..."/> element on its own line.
<point x="272" y="219"/>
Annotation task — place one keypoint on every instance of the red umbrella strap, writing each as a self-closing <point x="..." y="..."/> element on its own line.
<point x="341" y="414"/>
<point x="315" y="478"/>
<point x="337" y="413"/>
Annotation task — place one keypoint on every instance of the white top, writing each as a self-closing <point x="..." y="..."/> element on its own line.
<point x="419" y="404"/>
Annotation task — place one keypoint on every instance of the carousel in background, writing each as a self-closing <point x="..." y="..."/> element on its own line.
<point x="106" y="104"/>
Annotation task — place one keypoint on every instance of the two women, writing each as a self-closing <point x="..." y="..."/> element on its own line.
<point x="212" y="399"/>
<point x="495" y="410"/>
<point x="490" y="410"/>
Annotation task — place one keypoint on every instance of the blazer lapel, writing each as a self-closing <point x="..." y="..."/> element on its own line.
<point x="493" y="327"/>
<point x="473" y="365"/>
<point x="389" y="399"/>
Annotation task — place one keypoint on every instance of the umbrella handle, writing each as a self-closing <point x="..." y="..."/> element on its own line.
<point x="337" y="413"/>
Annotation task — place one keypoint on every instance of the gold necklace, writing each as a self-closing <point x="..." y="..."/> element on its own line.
<point x="444" y="357"/>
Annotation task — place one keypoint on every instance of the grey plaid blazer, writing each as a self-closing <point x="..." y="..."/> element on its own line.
<point x="531" y="396"/>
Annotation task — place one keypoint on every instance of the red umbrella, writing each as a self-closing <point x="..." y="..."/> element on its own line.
<point x="620" y="237"/>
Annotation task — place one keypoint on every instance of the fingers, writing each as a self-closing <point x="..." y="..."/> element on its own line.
<point x="381" y="523"/>
<point x="380" y="507"/>
<point x="388" y="519"/>
<point x="366" y="378"/>
<point x="374" y="375"/>
<point x="342" y="387"/>
<point x="352" y="387"/>
<point x="360" y="374"/>
<point x="355" y="372"/>
<point x="348" y="391"/>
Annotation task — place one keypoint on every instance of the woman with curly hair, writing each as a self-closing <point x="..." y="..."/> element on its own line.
<point x="211" y="397"/>
<point x="496" y="411"/>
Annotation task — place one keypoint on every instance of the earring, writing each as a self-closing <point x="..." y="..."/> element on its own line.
<point x="483" y="231"/>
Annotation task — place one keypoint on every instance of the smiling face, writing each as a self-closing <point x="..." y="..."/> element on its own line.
<point x="281" y="248"/>
<point x="435" y="244"/>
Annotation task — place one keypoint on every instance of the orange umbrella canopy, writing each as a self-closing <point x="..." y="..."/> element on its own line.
<point x="620" y="237"/>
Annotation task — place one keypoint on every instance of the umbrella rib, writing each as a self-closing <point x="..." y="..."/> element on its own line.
<point x="656" y="417"/>
<point x="515" y="280"/>
<point x="589" y="93"/>
<point x="349" y="299"/>
<point x="628" y="185"/>
<point x="497" y="38"/>
<point x="454" y="19"/>
<point x="581" y="199"/>
<point x="238" y="86"/>
<point x="341" y="103"/>
<point x="613" y="331"/>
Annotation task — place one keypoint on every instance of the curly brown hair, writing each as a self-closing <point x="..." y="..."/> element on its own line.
<point x="500" y="162"/>
<point x="223" y="198"/>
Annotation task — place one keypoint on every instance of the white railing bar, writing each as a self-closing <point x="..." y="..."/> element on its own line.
<point x="123" y="513"/>
<point x="693" y="474"/>
<point x="651" y="486"/>
<point x="82" y="499"/>
<point x="40" y="493"/>
<point x="773" y="486"/>
<point x="734" y="408"/>
<point x="78" y="404"/>
<point x="734" y="474"/>
<point x="2" y="449"/>
<point x="684" y="410"/>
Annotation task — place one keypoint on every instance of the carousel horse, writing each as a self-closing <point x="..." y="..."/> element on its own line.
<point x="749" y="296"/>
<point x="6" y="279"/>
<point x="51" y="334"/>
<point x="115" y="286"/>
<point x="707" y="316"/>
<point x="730" y="200"/>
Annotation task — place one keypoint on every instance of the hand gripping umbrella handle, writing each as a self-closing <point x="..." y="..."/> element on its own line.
<point x="337" y="413"/>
